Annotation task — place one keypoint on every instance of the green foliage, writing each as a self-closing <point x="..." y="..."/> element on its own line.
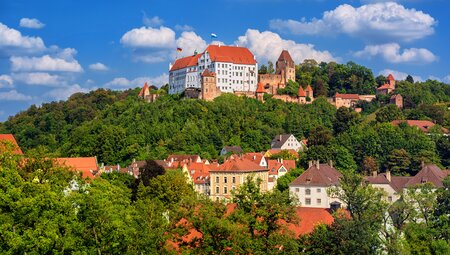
<point x="389" y="113"/>
<point x="283" y="181"/>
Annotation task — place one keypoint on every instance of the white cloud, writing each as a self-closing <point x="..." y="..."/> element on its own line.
<point x="446" y="79"/>
<point x="399" y="75"/>
<point x="183" y="28"/>
<point x="147" y="37"/>
<point x="64" y="92"/>
<point x="39" y="78"/>
<point x="13" y="95"/>
<point x="268" y="45"/>
<point x="189" y="42"/>
<point x="124" y="83"/>
<point x="152" y="22"/>
<point x="6" y="81"/>
<point x="392" y="53"/>
<point x="154" y="57"/>
<point x="13" y="40"/>
<point x="98" y="67"/>
<point x="44" y="63"/>
<point x="373" y="22"/>
<point x="31" y="23"/>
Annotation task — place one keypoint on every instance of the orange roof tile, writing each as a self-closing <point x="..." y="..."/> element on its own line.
<point x="10" y="138"/>
<point x="424" y="125"/>
<point x="143" y="90"/>
<point x="347" y="96"/>
<point x="385" y="86"/>
<point x="301" y="92"/>
<point x="309" y="218"/>
<point x="260" y="88"/>
<point x="86" y="165"/>
<point x="208" y="73"/>
<point x="231" y="54"/>
<point x="308" y="88"/>
<point x="185" y="62"/>
<point x="237" y="164"/>
<point x="274" y="165"/>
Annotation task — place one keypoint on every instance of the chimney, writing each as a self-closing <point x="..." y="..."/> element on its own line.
<point x="254" y="157"/>
<point x="331" y="163"/>
<point x="281" y="160"/>
<point x="317" y="164"/>
<point x="280" y="138"/>
<point x="310" y="164"/>
<point x="422" y="164"/>
<point x="388" y="175"/>
<point x="374" y="173"/>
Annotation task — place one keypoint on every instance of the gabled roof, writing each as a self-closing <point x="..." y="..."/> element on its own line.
<point x="301" y="92"/>
<point x="385" y="86"/>
<point x="285" y="56"/>
<point x="86" y="165"/>
<point x="347" y="96"/>
<point x="424" y="125"/>
<point x="260" y="88"/>
<point x="397" y="182"/>
<point x="324" y="175"/>
<point x="255" y="157"/>
<point x="308" y="88"/>
<point x="207" y="73"/>
<point x="309" y="218"/>
<point x="274" y="165"/>
<point x="185" y="62"/>
<point x="238" y="164"/>
<point x="231" y="54"/>
<point x="10" y="138"/>
<point x="279" y="140"/>
<point x="199" y="172"/>
<point x="429" y="173"/>
<point x="143" y="90"/>
<point x="390" y="77"/>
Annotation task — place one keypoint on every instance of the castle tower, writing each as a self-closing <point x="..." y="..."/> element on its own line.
<point x="391" y="81"/>
<point x="209" y="87"/>
<point x="309" y="93"/>
<point x="260" y="91"/>
<point x="286" y="64"/>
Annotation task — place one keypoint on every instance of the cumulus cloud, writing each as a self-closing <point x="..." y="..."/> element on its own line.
<point x="378" y="22"/>
<point x="13" y="95"/>
<point x="152" y="22"/>
<point x="147" y="37"/>
<point x="12" y="40"/>
<point x="398" y="75"/>
<point x="31" y="23"/>
<point x="392" y="53"/>
<point x="39" y="78"/>
<point x="183" y="28"/>
<point x="44" y="63"/>
<point x="268" y="45"/>
<point x="189" y="42"/>
<point x="6" y="81"/>
<point x="446" y="79"/>
<point x="124" y="83"/>
<point x="64" y="92"/>
<point x="98" y="67"/>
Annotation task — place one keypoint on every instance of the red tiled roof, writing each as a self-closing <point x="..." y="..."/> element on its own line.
<point x="274" y="165"/>
<point x="424" y="125"/>
<point x="143" y="89"/>
<point x="207" y="73"/>
<point x="231" y="54"/>
<point x="309" y="218"/>
<point x="260" y="88"/>
<point x="390" y="77"/>
<point x="385" y="86"/>
<point x="85" y="165"/>
<point x="347" y="96"/>
<point x="238" y="164"/>
<point x="301" y="92"/>
<point x="200" y="171"/>
<point x="285" y="56"/>
<point x="429" y="173"/>
<point x="308" y="88"/>
<point x="255" y="157"/>
<point x="397" y="182"/>
<point x="10" y="138"/>
<point x="185" y="62"/>
<point x="325" y="175"/>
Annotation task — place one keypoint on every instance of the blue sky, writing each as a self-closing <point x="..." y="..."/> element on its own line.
<point x="51" y="49"/>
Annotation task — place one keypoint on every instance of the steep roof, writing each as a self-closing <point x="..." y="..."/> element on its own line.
<point x="285" y="56"/>
<point x="207" y="73"/>
<point x="143" y="90"/>
<point x="385" y="86"/>
<point x="390" y="77"/>
<point x="260" y="88"/>
<point x="274" y="165"/>
<point x="308" y="88"/>
<point x="86" y="165"/>
<point x="429" y="173"/>
<point x="279" y="140"/>
<point x="424" y="125"/>
<point x="10" y="138"/>
<point x="231" y="54"/>
<point x="324" y="175"/>
<point x="397" y="182"/>
<point x="309" y="218"/>
<point x="185" y="62"/>
<point x="199" y="172"/>
<point x="301" y="92"/>
<point x="347" y="96"/>
<point x="238" y="164"/>
<point x="255" y="157"/>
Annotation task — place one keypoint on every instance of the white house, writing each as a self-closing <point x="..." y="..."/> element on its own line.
<point x="235" y="67"/>
<point x="286" y="142"/>
<point x="311" y="186"/>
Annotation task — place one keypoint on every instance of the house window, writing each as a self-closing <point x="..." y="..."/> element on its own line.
<point x="217" y="190"/>
<point x="390" y="198"/>
<point x="308" y="192"/>
<point x="233" y="179"/>
<point x="225" y="180"/>
<point x="319" y="190"/>
<point x="217" y="179"/>
<point x="319" y="201"/>
<point x="225" y="190"/>
<point x="297" y="190"/>
<point x="307" y="201"/>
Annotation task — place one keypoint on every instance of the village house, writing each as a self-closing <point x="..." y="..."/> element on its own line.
<point x="310" y="188"/>
<point x="199" y="176"/>
<point x="278" y="168"/>
<point x="11" y="139"/>
<point x="349" y="100"/>
<point x="256" y="157"/>
<point x="424" y="125"/>
<point x="86" y="165"/>
<point x="231" y="149"/>
<point x="233" y="173"/>
<point x="287" y="142"/>
<point x="388" y="87"/>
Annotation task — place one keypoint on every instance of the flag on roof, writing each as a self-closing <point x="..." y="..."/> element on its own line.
<point x="195" y="52"/>
<point x="213" y="35"/>
<point x="179" y="49"/>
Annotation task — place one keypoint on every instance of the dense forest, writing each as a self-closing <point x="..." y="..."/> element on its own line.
<point x="45" y="209"/>
<point x="118" y="127"/>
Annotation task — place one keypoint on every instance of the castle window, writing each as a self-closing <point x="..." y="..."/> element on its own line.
<point x="217" y="190"/>
<point x="217" y="179"/>
<point x="225" y="179"/>
<point x="233" y="179"/>
<point x="225" y="190"/>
